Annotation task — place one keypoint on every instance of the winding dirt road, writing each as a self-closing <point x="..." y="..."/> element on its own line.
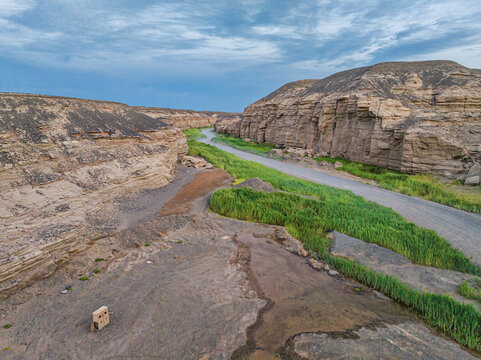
<point x="462" y="229"/>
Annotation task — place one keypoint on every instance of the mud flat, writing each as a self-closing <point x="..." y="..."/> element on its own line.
<point x="184" y="283"/>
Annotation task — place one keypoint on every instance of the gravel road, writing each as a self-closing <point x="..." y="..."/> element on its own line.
<point x="462" y="229"/>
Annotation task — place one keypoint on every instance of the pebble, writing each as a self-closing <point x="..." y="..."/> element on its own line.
<point x="333" y="272"/>
<point x="225" y="237"/>
<point x="149" y="262"/>
<point x="326" y="267"/>
<point x="64" y="292"/>
<point x="315" y="264"/>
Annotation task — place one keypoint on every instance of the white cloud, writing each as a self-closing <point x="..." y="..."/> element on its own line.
<point x="15" y="7"/>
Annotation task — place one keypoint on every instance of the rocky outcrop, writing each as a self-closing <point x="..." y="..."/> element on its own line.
<point x="187" y="119"/>
<point x="415" y="117"/>
<point x="62" y="161"/>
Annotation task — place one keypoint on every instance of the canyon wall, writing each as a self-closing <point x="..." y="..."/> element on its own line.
<point x="415" y="117"/>
<point x="187" y="119"/>
<point x="63" y="161"/>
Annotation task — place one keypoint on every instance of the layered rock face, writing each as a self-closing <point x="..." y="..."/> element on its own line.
<point x="62" y="161"/>
<point x="187" y="119"/>
<point x="415" y="117"/>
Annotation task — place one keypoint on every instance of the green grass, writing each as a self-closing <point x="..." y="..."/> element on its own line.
<point x="424" y="186"/>
<point x="340" y="210"/>
<point x="308" y="220"/>
<point x="96" y="271"/>
<point x="305" y="219"/>
<point x="470" y="292"/>
<point x="7" y="326"/>
<point x="99" y="259"/>
<point x="195" y="133"/>
<point x="250" y="146"/>
<point x="146" y="244"/>
<point x="83" y="278"/>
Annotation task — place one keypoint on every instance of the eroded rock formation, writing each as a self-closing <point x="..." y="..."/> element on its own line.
<point x="62" y="161"/>
<point x="415" y="117"/>
<point x="187" y="119"/>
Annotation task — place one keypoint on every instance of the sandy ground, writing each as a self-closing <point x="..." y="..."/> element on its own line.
<point x="205" y="287"/>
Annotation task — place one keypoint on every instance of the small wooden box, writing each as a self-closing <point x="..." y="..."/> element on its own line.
<point x="100" y="318"/>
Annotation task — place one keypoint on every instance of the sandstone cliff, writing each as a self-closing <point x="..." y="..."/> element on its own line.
<point x="414" y="117"/>
<point x="62" y="161"/>
<point x="187" y="119"/>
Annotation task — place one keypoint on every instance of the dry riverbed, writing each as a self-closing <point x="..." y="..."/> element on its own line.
<point x="184" y="283"/>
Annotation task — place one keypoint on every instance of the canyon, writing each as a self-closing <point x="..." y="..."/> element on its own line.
<point x="414" y="117"/>
<point x="63" y="163"/>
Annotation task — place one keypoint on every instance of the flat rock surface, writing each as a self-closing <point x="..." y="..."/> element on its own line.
<point x="410" y="340"/>
<point x="422" y="278"/>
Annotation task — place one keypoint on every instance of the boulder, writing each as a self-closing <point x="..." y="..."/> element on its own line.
<point x="475" y="170"/>
<point x="472" y="180"/>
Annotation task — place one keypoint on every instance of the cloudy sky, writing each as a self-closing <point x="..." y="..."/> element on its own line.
<point x="219" y="54"/>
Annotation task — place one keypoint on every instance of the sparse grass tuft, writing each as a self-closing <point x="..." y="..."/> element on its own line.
<point x="7" y="326"/>
<point x="96" y="271"/>
<point x="469" y="292"/>
<point x="99" y="259"/>
<point x="84" y="278"/>
<point x="146" y="244"/>
<point x="179" y="241"/>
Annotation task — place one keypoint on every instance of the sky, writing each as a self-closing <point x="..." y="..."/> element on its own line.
<point x="221" y="54"/>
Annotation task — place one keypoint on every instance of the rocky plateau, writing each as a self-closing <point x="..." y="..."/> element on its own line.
<point x="415" y="117"/>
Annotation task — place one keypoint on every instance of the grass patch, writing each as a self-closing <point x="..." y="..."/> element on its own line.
<point x="250" y="146"/>
<point x="146" y="244"/>
<point x="470" y="292"/>
<point x="99" y="259"/>
<point x="306" y="219"/>
<point x="337" y="210"/>
<point x="84" y="278"/>
<point x="195" y="133"/>
<point x="179" y="241"/>
<point x="7" y="326"/>
<point x="96" y="271"/>
<point x="423" y="186"/>
<point x="6" y="348"/>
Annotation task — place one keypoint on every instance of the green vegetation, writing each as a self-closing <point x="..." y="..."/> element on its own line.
<point x="96" y="271"/>
<point x="7" y="326"/>
<point x="179" y="241"/>
<point x="99" y="259"/>
<point x="308" y="220"/>
<point x="424" y="186"/>
<point x="305" y="220"/>
<point x="68" y="288"/>
<point x="194" y="133"/>
<point x="250" y="146"/>
<point x="470" y="292"/>
<point x="146" y="244"/>
<point x="337" y="210"/>
<point x="6" y="348"/>
<point x="84" y="278"/>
